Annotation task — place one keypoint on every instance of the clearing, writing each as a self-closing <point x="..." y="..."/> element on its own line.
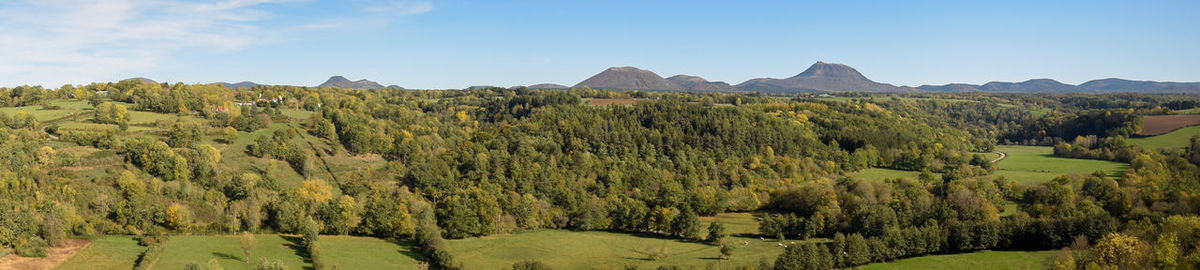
<point x="1034" y="164"/>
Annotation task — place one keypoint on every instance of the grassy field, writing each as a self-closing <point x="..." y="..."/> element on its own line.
<point x="1174" y="139"/>
<point x="1039" y="112"/>
<point x="601" y="250"/>
<point x="106" y="252"/>
<point x="976" y="260"/>
<point x="182" y="250"/>
<point x="41" y="114"/>
<point x="606" y="250"/>
<point x="1032" y="164"/>
<point x="348" y="252"/>
<point x="1188" y="111"/>
<point x="735" y="223"/>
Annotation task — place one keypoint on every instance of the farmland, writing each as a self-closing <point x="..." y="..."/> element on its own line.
<point x="1160" y="124"/>
<point x="1175" y="139"/>
<point x="1033" y="164"/>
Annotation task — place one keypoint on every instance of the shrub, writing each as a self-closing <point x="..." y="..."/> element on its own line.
<point x="32" y="247"/>
<point x="149" y="258"/>
<point x="531" y="265"/>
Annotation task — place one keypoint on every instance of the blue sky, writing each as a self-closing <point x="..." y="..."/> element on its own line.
<point x="459" y="43"/>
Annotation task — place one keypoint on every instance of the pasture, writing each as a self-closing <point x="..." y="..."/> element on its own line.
<point x="1033" y="164"/>
<point x="603" y="250"/>
<point x="182" y="250"/>
<point x="986" y="259"/>
<point x="1174" y="139"/>
<point x="106" y="252"/>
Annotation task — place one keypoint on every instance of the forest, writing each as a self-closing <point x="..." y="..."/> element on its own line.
<point x="431" y="169"/>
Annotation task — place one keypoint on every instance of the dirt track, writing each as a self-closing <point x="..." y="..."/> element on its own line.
<point x="1002" y="156"/>
<point x="57" y="255"/>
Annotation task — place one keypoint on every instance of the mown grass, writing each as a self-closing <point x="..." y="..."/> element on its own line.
<point x="975" y="260"/>
<point x="106" y="252"/>
<point x="67" y="107"/>
<point x="347" y="252"/>
<point x="1034" y="164"/>
<point x="1174" y="139"/>
<point x="182" y="250"/>
<point x="607" y="250"/>
<point x="602" y="250"/>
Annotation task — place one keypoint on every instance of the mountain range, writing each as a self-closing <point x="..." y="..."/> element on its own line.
<point x="831" y="77"/>
<point x="820" y="77"/>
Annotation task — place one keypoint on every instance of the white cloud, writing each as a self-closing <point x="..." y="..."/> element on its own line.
<point x="52" y="42"/>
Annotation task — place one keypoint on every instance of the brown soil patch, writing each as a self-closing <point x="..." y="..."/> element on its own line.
<point x="57" y="255"/>
<point x="1159" y="124"/>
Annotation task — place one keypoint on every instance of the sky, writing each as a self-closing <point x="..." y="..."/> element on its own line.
<point x="459" y="43"/>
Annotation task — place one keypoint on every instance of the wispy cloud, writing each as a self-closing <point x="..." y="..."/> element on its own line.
<point x="52" y="42"/>
<point x="395" y="7"/>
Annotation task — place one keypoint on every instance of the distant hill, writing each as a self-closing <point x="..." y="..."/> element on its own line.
<point x="1052" y="86"/>
<point x="822" y="77"/>
<point x="694" y="83"/>
<point x="342" y="82"/>
<point x="242" y="84"/>
<point x="548" y="86"/>
<point x="1122" y="85"/>
<point x="628" y="78"/>
<point x="141" y="79"/>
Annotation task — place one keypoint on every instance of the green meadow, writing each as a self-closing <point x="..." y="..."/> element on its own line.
<point x="1032" y="164"/>
<point x="1174" y="139"/>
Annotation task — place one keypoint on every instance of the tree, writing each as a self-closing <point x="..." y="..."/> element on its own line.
<point x="342" y="215"/>
<point x="111" y="113"/>
<point x="229" y="135"/>
<point x="178" y="216"/>
<point x="858" y="251"/>
<point x="716" y="232"/>
<point x="247" y="243"/>
<point x="53" y="232"/>
<point x="311" y="232"/>
<point x="1064" y="259"/>
<point x="687" y="226"/>
<point x="1166" y="252"/>
<point x="726" y="252"/>
<point x="1120" y="251"/>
